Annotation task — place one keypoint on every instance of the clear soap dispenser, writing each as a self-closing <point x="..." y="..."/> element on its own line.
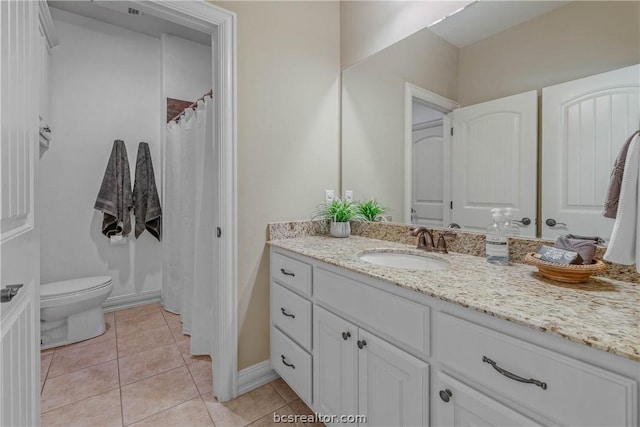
<point x="497" y="242"/>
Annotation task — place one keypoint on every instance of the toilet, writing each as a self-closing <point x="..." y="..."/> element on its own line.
<point x="71" y="310"/>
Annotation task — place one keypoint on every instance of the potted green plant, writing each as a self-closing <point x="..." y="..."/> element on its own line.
<point x="339" y="212"/>
<point x="372" y="210"/>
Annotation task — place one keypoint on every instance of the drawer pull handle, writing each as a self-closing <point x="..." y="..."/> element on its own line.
<point x="287" y="273"/>
<point x="361" y="344"/>
<point x="512" y="376"/>
<point x="287" y="314"/>
<point x="346" y="335"/>
<point x="445" y="395"/>
<point x="284" y="361"/>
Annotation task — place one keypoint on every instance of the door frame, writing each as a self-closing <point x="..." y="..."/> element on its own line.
<point x="439" y="103"/>
<point x="222" y="25"/>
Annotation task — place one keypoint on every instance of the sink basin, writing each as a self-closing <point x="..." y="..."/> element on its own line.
<point x="404" y="260"/>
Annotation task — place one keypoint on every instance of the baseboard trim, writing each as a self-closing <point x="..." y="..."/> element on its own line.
<point x="254" y="376"/>
<point x="121" y="302"/>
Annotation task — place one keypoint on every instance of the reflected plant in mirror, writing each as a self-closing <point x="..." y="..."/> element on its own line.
<point x="372" y="210"/>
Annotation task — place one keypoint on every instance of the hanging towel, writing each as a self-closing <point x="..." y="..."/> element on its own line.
<point x="613" y="192"/>
<point x="146" y="203"/>
<point x="114" y="198"/>
<point x="624" y="247"/>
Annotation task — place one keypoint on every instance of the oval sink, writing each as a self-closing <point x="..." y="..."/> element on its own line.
<point x="404" y="260"/>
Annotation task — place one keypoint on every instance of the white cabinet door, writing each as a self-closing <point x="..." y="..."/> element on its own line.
<point x="335" y="364"/>
<point x="19" y="241"/>
<point x="393" y="385"/>
<point x="494" y="160"/>
<point x="459" y="405"/>
<point x="585" y="122"/>
<point x="427" y="187"/>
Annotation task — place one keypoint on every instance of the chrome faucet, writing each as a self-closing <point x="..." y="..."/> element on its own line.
<point x="425" y="239"/>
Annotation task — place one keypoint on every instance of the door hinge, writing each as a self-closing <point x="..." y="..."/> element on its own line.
<point x="218" y="231"/>
<point x="451" y="131"/>
<point x="450" y="205"/>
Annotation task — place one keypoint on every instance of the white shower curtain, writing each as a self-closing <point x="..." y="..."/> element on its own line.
<point x="189" y="249"/>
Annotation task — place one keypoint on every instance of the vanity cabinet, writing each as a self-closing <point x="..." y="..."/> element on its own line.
<point x="349" y="344"/>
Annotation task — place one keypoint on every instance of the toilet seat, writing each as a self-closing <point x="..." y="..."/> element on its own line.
<point x="73" y="287"/>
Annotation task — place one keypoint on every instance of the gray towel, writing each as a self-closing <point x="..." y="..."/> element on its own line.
<point x="615" y="182"/>
<point x="146" y="203"/>
<point x="114" y="197"/>
<point x="586" y="248"/>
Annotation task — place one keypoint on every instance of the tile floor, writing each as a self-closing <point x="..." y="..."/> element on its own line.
<point x="140" y="373"/>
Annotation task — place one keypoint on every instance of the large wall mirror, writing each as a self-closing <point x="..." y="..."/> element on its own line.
<point x="536" y="124"/>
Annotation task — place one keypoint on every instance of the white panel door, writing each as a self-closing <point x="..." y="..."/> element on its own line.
<point x="494" y="160"/>
<point x="461" y="406"/>
<point x="19" y="242"/>
<point x="335" y="364"/>
<point x="585" y="122"/>
<point x="427" y="186"/>
<point x="393" y="385"/>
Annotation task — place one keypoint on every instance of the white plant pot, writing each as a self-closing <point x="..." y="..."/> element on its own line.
<point x="340" y="229"/>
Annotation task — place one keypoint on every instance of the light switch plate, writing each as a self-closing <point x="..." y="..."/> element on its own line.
<point x="348" y="195"/>
<point x="329" y="195"/>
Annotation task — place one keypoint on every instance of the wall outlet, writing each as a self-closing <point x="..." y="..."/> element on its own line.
<point x="329" y="195"/>
<point x="348" y="195"/>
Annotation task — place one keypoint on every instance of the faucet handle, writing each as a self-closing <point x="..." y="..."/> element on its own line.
<point x="442" y="242"/>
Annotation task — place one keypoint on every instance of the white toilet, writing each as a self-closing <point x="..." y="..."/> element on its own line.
<point x="71" y="310"/>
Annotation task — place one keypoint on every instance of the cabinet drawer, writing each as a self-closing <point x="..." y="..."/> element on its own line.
<point x="291" y="272"/>
<point x="568" y="391"/>
<point x="401" y="321"/>
<point x="292" y="314"/>
<point x="292" y="363"/>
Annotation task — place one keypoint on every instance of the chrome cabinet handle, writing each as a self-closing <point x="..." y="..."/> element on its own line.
<point x="287" y="314"/>
<point x="284" y="361"/>
<point x="361" y="344"/>
<point x="346" y="335"/>
<point x="552" y="222"/>
<point x="523" y="221"/>
<point x="9" y="292"/>
<point x="445" y="394"/>
<point x="287" y="273"/>
<point x="513" y="376"/>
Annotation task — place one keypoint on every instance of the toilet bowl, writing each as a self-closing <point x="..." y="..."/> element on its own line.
<point x="71" y="310"/>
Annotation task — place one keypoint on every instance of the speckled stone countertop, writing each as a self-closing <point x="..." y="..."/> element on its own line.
<point x="602" y="313"/>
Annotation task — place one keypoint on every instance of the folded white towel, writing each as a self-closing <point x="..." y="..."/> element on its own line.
<point x="624" y="247"/>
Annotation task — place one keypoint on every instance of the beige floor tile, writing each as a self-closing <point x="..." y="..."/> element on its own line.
<point x="301" y="408"/>
<point x="171" y="318"/>
<point x="137" y="311"/>
<point x="102" y="410"/>
<point x="47" y="351"/>
<point x="68" y="388"/>
<point x="176" y="330"/>
<point x="139" y="323"/>
<point x="284" y="390"/>
<point x="202" y="375"/>
<point x="71" y="359"/>
<point x="148" y="363"/>
<point x="145" y="340"/>
<point x="275" y="418"/>
<point x="245" y="409"/>
<point x="151" y="395"/>
<point x="192" y="413"/>
<point x="45" y="363"/>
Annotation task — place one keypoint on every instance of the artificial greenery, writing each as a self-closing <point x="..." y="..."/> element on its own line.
<point x="339" y="210"/>
<point x="372" y="210"/>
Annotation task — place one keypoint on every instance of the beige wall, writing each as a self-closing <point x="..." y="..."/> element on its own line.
<point x="373" y="113"/>
<point x="288" y="138"/>
<point x="367" y="27"/>
<point x="574" y="41"/>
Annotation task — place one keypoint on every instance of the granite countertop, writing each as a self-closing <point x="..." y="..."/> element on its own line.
<point x="602" y="313"/>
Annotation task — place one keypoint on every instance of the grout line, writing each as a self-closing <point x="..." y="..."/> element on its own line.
<point x="115" y="330"/>
<point x="78" y="401"/>
<point x="207" y="409"/>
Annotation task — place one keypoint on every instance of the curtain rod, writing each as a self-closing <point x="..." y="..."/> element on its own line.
<point x="193" y="105"/>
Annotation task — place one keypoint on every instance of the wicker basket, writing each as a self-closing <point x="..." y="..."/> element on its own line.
<point x="563" y="272"/>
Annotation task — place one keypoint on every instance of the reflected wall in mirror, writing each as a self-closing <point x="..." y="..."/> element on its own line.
<point x="482" y="59"/>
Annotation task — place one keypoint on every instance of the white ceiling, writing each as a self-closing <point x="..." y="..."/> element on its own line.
<point x="116" y="13"/>
<point x="483" y="19"/>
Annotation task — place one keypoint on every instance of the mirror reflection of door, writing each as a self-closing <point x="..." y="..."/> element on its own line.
<point x="428" y="163"/>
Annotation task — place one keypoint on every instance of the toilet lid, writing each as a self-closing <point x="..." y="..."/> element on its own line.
<point x="73" y="286"/>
